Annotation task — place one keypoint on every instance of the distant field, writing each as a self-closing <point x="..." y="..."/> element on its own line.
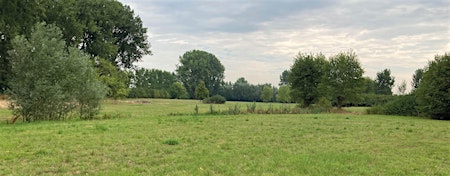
<point x="142" y="139"/>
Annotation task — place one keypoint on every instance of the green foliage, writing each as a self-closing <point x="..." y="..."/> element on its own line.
<point x="404" y="105"/>
<point x="49" y="80"/>
<point x="241" y="90"/>
<point x="115" y="79"/>
<point x="369" y="85"/>
<point x="322" y="105"/>
<point x="384" y="82"/>
<point x="401" y="105"/>
<point x="152" y="83"/>
<point x="417" y="78"/>
<point x="216" y="99"/>
<point x="266" y="94"/>
<point x="178" y="91"/>
<point x="305" y="75"/>
<point x="373" y="99"/>
<point x="102" y="28"/>
<point x="284" y="78"/>
<point x="284" y="94"/>
<point x="343" y="79"/>
<point x="433" y="94"/>
<point x="196" y="66"/>
<point x="171" y="142"/>
<point x="201" y="92"/>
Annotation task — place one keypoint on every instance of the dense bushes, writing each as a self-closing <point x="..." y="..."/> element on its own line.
<point x="216" y="99"/>
<point x="400" y="105"/>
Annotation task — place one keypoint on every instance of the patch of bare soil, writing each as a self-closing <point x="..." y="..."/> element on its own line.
<point x="3" y="104"/>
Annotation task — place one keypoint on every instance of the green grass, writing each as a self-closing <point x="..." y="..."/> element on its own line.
<point x="145" y="140"/>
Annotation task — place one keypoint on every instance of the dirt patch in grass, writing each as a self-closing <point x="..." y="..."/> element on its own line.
<point x="3" y="104"/>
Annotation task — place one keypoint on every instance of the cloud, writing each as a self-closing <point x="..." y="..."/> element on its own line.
<point x="258" y="39"/>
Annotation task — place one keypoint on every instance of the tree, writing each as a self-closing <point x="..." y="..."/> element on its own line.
<point x="152" y="83"/>
<point x="402" y="88"/>
<point x="115" y="79"/>
<point x="266" y="94"/>
<point x="104" y="29"/>
<point x="50" y="80"/>
<point x="284" y="78"/>
<point x="178" y="91"/>
<point x="201" y="92"/>
<point x="17" y="17"/>
<point x="369" y="85"/>
<point x="417" y="78"/>
<point x="433" y="93"/>
<point x="196" y="66"/>
<point x="283" y="94"/>
<point x="343" y="79"/>
<point x="384" y="82"/>
<point x="305" y="75"/>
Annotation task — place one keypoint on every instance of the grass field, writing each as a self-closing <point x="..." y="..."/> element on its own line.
<point x="142" y="139"/>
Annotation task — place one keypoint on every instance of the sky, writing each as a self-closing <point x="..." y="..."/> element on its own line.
<point x="259" y="39"/>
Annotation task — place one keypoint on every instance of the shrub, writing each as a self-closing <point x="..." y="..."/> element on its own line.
<point x="216" y="99"/>
<point x="400" y="105"/>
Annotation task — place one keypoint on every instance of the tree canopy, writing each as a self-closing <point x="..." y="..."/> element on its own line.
<point x="384" y="82"/>
<point x="196" y="66"/>
<point x="433" y="93"/>
<point x="49" y="80"/>
<point x="344" y="80"/>
<point x="304" y="78"/>
<point x="105" y="29"/>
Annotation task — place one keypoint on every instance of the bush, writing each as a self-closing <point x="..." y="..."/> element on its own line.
<point x="216" y="99"/>
<point x="400" y="105"/>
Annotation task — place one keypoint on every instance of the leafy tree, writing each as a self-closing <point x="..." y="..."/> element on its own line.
<point x="115" y="79"/>
<point x="50" y="80"/>
<point x="284" y="78"/>
<point x="266" y="94"/>
<point x="17" y="17"/>
<point x="178" y="91"/>
<point x="196" y="66"/>
<point x="417" y="78"/>
<point x="384" y="82"/>
<point x="433" y="94"/>
<point x="152" y="83"/>
<point x="369" y="85"/>
<point x="102" y="28"/>
<point x="201" y="92"/>
<point x="305" y="76"/>
<point x="343" y="79"/>
<point x="283" y="94"/>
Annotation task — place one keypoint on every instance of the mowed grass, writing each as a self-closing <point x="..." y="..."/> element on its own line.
<point x="142" y="139"/>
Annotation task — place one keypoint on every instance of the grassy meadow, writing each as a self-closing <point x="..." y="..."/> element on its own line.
<point x="165" y="137"/>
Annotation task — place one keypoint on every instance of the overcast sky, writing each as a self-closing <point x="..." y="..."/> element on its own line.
<point x="258" y="39"/>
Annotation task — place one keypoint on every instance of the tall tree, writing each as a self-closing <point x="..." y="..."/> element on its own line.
<point x="417" y="78"/>
<point x="102" y="28"/>
<point x="17" y="17"/>
<point x="284" y="78"/>
<point x="344" y="78"/>
<point x="116" y="80"/>
<point x="305" y="76"/>
<point x="49" y="80"/>
<point x="196" y="66"/>
<point x="384" y="82"/>
<point x="266" y="93"/>
<point x="433" y="94"/>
